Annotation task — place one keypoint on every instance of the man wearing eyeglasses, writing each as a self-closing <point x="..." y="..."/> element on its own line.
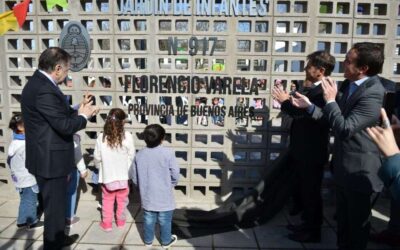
<point x="49" y="126"/>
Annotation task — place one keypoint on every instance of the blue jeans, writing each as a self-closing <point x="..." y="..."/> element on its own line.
<point x="27" y="207"/>
<point x="72" y="193"/>
<point x="164" y="220"/>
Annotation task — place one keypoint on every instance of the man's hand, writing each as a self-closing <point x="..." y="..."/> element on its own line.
<point x="87" y="97"/>
<point x="330" y="89"/>
<point x="300" y="101"/>
<point x="279" y="94"/>
<point x="88" y="110"/>
<point x="383" y="137"/>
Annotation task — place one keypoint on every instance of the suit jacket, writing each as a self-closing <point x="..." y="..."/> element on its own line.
<point x="356" y="158"/>
<point x="49" y="127"/>
<point x="309" y="138"/>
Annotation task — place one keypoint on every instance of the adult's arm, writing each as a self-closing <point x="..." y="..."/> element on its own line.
<point x="53" y="109"/>
<point x="364" y="114"/>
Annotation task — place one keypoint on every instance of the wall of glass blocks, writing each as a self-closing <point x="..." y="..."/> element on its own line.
<point x="219" y="156"/>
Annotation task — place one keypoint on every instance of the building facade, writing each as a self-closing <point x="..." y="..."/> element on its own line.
<point x="217" y="59"/>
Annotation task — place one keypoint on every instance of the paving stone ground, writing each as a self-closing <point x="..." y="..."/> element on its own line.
<point x="272" y="235"/>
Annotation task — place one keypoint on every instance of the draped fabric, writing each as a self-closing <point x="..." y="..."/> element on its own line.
<point x="255" y="208"/>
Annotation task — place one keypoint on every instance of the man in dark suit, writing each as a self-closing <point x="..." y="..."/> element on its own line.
<point x="356" y="159"/>
<point x="49" y="126"/>
<point x="308" y="149"/>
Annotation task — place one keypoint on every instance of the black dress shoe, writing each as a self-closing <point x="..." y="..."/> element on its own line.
<point x="295" y="228"/>
<point x="295" y="210"/>
<point x="305" y="236"/>
<point x="70" y="239"/>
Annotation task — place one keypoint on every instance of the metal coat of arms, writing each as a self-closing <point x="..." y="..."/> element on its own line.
<point x="75" y="40"/>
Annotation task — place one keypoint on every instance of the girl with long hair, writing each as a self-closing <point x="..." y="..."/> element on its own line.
<point x="113" y="156"/>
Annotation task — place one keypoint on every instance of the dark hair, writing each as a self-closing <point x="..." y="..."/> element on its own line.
<point x="153" y="135"/>
<point x="15" y="121"/>
<point x="114" y="131"/>
<point x="371" y="55"/>
<point x="322" y="59"/>
<point x="51" y="57"/>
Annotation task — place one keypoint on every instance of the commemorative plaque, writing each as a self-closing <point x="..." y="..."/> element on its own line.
<point x="75" y="40"/>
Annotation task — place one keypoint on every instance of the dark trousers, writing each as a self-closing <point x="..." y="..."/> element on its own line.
<point x="353" y="215"/>
<point x="394" y="223"/>
<point x="310" y="179"/>
<point x="54" y="191"/>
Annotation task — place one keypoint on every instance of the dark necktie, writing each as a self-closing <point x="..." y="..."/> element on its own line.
<point x="352" y="89"/>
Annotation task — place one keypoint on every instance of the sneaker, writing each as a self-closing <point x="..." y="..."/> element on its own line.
<point x="36" y="225"/>
<point x="174" y="239"/>
<point x="148" y="245"/>
<point x="69" y="222"/>
<point x="120" y="223"/>
<point x="22" y="226"/>
<point x="106" y="227"/>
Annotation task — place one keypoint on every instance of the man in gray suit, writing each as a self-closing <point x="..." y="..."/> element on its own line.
<point x="356" y="159"/>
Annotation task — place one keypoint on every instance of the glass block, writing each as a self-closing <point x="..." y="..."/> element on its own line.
<point x="280" y="66"/>
<point x="201" y="138"/>
<point x="165" y="25"/>
<point x="240" y="156"/>
<point x="165" y="63"/>
<point x="201" y="64"/>
<point x="244" y="26"/>
<point x="322" y="45"/>
<point x="282" y="27"/>
<point x="260" y="65"/>
<point x="182" y="25"/>
<point x="260" y="46"/>
<point x="340" y="48"/>
<point x="181" y="63"/>
<point x="380" y="9"/>
<point x="326" y="7"/>
<point x="124" y="44"/>
<point x="342" y="28"/>
<point x="300" y="27"/>
<point x="243" y="65"/>
<point x="300" y="6"/>
<point x="220" y="46"/>
<point x="281" y="46"/>
<point x="283" y="6"/>
<point x="379" y="29"/>
<point x="343" y="8"/>
<point x="298" y="46"/>
<point x="325" y="28"/>
<point x="140" y="63"/>
<point x="141" y="25"/>
<point x="243" y="45"/>
<point x="220" y="26"/>
<point x="261" y="26"/>
<point x="124" y="25"/>
<point x="202" y="25"/>
<point x="363" y="8"/>
<point x="140" y="44"/>
<point x="362" y="29"/>
<point x="217" y="139"/>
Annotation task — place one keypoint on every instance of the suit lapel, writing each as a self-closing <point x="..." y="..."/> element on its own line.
<point x="357" y="94"/>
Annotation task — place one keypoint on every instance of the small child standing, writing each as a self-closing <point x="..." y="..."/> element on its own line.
<point x="23" y="180"/>
<point x="113" y="156"/>
<point x="156" y="172"/>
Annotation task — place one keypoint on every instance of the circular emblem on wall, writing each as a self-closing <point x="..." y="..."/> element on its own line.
<point x="75" y="40"/>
